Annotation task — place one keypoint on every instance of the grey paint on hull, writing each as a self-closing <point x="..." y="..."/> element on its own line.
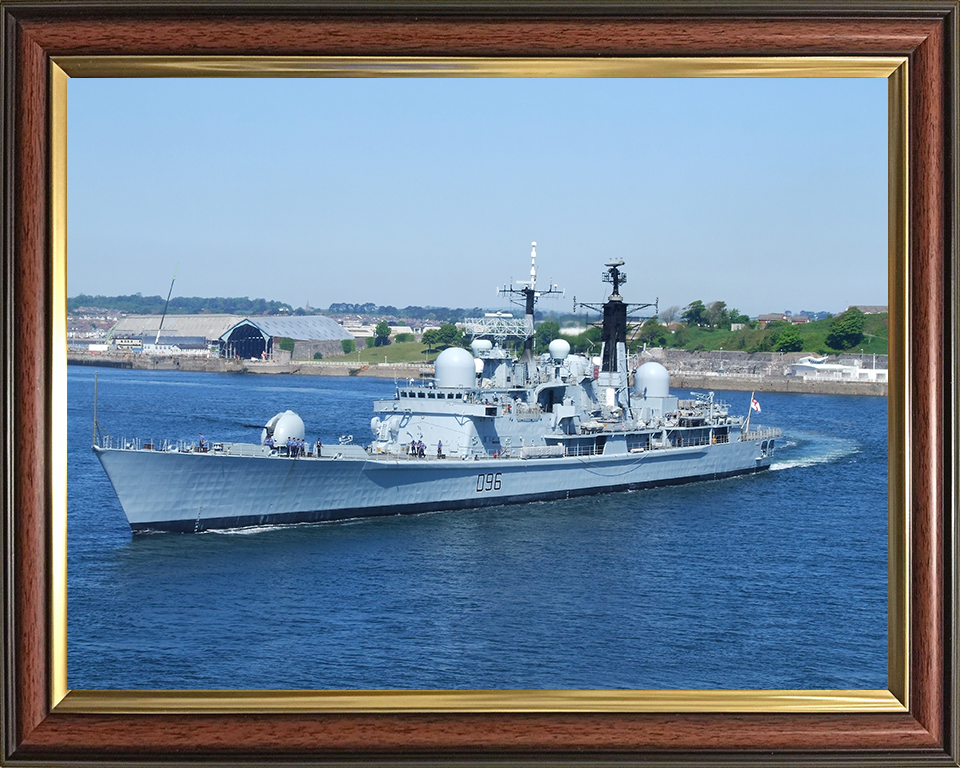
<point x="193" y="492"/>
<point x="187" y="526"/>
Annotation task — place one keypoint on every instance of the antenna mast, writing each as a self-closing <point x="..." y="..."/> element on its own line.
<point x="530" y="295"/>
<point x="615" y="312"/>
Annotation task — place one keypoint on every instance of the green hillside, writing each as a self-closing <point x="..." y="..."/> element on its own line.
<point x="398" y="352"/>
<point x="814" y="337"/>
<point x="851" y="331"/>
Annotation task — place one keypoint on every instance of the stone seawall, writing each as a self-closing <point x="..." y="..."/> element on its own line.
<point x="155" y="362"/>
<point x="738" y="371"/>
<point x="226" y="365"/>
<point x="774" y="384"/>
<point x="749" y="363"/>
<point x="760" y="371"/>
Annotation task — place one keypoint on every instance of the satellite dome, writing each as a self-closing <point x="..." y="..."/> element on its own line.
<point x="559" y="349"/>
<point x="455" y="369"/>
<point x="652" y="380"/>
<point x="282" y="426"/>
<point x="480" y="345"/>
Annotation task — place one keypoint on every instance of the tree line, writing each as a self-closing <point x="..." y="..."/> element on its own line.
<point x="843" y="332"/>
<point x="701" y="325"/>
<point x="411" y="312"/>
<point x="701" y="328"/>
<point x="138" y="304"/>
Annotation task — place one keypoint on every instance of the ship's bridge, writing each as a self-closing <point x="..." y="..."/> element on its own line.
<point x="428" y="400"/>
<point x="425" y="393"/>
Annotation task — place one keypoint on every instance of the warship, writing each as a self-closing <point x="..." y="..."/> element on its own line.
<point x="491" y="427"/>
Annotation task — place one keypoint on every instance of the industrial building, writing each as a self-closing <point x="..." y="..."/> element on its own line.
<point x="256" y="336"/>
<point x="145" y="328"/>
<point x="232" y="335"/>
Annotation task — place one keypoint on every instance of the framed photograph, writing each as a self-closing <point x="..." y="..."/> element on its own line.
<point x="46" y="44"/>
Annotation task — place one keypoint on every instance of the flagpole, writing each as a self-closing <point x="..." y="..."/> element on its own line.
<point x="746" y="427"/>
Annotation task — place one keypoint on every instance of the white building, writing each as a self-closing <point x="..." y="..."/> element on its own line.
<point x="818" y="369"/>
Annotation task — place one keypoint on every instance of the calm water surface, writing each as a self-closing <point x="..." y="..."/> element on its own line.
<point x="769" y="581"/>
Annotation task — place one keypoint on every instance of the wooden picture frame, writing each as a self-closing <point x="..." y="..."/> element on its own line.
<point x="916" y="722"/>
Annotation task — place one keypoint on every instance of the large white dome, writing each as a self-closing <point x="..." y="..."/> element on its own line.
<point x="455" y="369"/>
<point x="559" y="349"/>
<point x="652" y="380"/>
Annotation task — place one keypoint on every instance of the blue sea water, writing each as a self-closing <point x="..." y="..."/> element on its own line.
<point x="772" y="581"/>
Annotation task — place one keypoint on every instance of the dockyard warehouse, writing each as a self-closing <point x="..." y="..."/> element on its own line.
<point x="255" y="337"/>
<point x="236" y="335"/>
<point x="179" y="334"/>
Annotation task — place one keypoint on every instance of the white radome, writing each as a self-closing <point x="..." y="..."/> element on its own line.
<point x="559" y="349"/>
<point x="652" y="380"/>
<point x="455" y="369"/>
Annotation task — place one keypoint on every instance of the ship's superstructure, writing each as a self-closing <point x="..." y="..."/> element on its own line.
<point x="490" y="428"/>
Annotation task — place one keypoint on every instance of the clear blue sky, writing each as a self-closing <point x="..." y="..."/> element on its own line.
<point x="766" y="194"/>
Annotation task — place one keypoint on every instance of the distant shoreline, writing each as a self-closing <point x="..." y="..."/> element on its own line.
<point x="703" y="380"/>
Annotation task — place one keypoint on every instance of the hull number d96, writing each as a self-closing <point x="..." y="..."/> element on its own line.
<point x="488" y="482"/>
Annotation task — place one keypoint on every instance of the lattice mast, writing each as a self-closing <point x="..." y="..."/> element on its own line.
<point x="530" y="295"/>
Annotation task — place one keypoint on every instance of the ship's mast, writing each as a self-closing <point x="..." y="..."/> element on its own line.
<point x="530" y="295"/>
<point x="615" y="311"/>
<point x="614" y="333"/>
<point x="613" y="355"/>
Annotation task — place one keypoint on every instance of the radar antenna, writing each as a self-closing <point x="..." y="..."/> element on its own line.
<point x="530" y="295"/>
<point x="502" y="325"/>
<point x="615" y="312"/>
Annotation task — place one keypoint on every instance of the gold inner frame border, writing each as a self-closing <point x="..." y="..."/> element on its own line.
<point x="895" y="699"/>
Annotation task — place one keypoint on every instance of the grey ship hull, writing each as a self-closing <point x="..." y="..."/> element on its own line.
<point x="191" y="492"/>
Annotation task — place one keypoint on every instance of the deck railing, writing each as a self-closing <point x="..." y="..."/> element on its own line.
<point x="763" y="434"/>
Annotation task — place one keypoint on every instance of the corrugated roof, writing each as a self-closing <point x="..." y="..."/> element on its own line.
<point x="212" y="327"/>
<point x="208" y="326"/>
<point x="308" y="328"/>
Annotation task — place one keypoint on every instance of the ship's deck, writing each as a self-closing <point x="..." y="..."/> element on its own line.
<point x="558" y="446"/>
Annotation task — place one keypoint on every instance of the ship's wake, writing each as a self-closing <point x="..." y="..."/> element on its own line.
<point x="247" y="531"/>
<point x="251" y="530"/>
<point x="810" y="448"/>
